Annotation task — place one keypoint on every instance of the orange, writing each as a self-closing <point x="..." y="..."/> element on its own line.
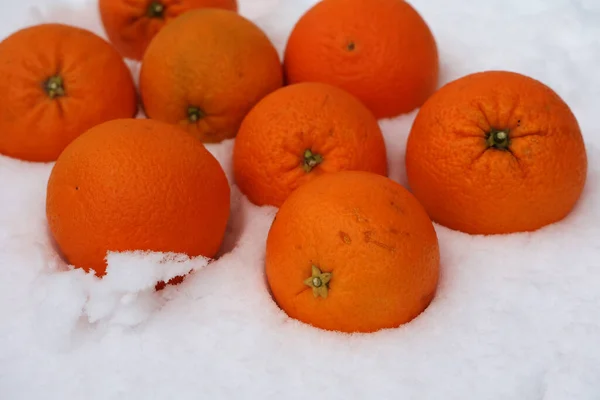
<point x="132" y="24"/>
<point x="205" y="70"/>
<point x="302" y="131"/>
<point x="57" y="82"/>
<point x="136" y="184"/>
<point x="352" y="251"/>
<point x="496" y="152"/>
<point x="382" y="51"/>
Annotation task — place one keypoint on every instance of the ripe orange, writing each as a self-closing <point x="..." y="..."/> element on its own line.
<point x="300" y="132"/>
<point x="136" y="184"/>
<point x="352" y="251"/>
<point x="57" y="82"/>
<point x="496" y="152"/>
<point x="382" y="51"/>
<point x="132" y="24"/>
<point x="205" y="70"/>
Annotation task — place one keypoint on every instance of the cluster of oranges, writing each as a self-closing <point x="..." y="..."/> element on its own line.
<point x="350" y="250"/>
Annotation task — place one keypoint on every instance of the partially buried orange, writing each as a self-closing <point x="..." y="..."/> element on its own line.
<point x="136" y="184"/>
<point x="352" y="251"/>
<point x="496" y="152"/>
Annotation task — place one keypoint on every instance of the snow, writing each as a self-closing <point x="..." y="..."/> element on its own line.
<point x="516" y="316"/>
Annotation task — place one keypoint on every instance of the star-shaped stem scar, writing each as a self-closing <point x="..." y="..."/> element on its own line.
<point x="319" y="282"/>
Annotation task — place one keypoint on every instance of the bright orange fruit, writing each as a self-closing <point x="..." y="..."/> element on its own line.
<point x="57" y="82"/>
<point x="132" y="24"/>
<point x="205" y="70"/>
<point x="496" y="152"/>
<point x="382" y="51"/>
<point x="302" y="131"/>
<point x="136" y="184"/>
<point x="352" y="251"/>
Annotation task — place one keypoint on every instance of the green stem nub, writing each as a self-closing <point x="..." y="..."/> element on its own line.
<point x="319" y="282"/>
<point x="195" y="114"/>
<point x="311" y="160"/>
<point x="498" y="139"/>
<point x="54" y="87"/>
<point x="156" y="10"/>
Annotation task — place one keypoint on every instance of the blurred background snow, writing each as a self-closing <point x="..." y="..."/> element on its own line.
<point x="516" y="316"/>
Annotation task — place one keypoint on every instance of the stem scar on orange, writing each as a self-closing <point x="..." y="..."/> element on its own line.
<point x="302" y="131"/>
<point x="136" y="184"/>
<point x="496" y="152"/>
<point x="57" y="82"/>
<point x="352" y="251"/>
<point x="132" y="24"/>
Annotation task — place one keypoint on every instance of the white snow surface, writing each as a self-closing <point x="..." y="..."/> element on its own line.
<point x="516" y="316"/>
